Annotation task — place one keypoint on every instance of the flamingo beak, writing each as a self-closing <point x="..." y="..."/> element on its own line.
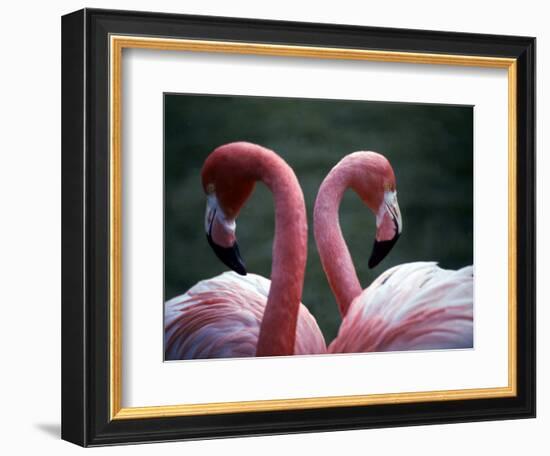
<point x="388" y="228"/>
<point x="220" y="233"/>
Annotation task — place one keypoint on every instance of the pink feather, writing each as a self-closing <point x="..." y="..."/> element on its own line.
<point x="413" y="306"/>
<point x="221" y="318"/>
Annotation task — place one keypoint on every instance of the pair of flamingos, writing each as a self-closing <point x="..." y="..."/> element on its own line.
<point x="409" y="307"/>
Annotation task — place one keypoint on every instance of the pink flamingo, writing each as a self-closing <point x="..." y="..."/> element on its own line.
<point x="414" y="306"/>
<point x="237" y="314"/>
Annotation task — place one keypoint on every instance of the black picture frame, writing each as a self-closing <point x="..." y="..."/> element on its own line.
<point x="85" y="224"/>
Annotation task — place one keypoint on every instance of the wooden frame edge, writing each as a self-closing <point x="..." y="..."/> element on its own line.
<point x="308" y="403"/>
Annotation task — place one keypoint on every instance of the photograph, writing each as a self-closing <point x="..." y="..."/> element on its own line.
<point x="297" y="226"/>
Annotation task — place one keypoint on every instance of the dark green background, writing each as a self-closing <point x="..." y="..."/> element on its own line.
<point x="430" y="148"/>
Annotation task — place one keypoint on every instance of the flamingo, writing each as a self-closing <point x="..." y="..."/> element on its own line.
<point x="413" y="306"/>
<point x="236" y="314"/>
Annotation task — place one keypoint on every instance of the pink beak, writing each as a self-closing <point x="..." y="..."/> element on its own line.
<point x="389" y="226"/>
<point x="220" y="234"/>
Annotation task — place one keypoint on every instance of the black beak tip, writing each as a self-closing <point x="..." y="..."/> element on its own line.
<point x="379" y="251"/>
<point x="240" y="269"/>
<point x="230" y="256"/>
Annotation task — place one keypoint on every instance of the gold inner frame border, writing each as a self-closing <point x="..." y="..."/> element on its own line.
<point x="116" y="46"/>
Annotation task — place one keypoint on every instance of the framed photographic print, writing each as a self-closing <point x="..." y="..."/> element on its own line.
<point x="275" y="227"/>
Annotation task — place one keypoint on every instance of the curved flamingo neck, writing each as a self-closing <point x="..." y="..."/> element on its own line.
<point x="333" y="251"/>
<point x="366" y="173"/>
<point x="278" y="328"/>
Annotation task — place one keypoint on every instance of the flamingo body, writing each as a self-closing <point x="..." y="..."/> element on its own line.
<point x="221" y="318"/>
<point x="240" y="315"/>
<point x="413" y="306"/>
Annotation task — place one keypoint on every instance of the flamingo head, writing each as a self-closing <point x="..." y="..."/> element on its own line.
<point x="388" y="227"/>
<point x="374" y="181"/>
<point x="227" y="186"/>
